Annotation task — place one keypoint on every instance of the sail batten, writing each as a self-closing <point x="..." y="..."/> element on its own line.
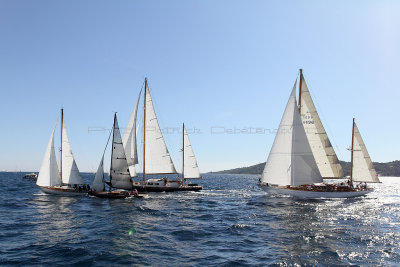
<point x="363" y="169"/>
<point x="291" y="161"/>
<point x="325" y="156"/>
<point x="190" y="167"/>
<point x="70" y="171"/>
<point x="157" y="157"/>
<point x="49" y="174"/>
<point x="119" y="172"/>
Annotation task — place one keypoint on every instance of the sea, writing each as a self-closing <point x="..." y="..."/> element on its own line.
<point x="232" y="222"/>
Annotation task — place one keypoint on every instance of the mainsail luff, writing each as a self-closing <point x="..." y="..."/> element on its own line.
<point x="119" y="171"/>
<point x="49" y="174"/>
<point x="190" y="169"/>
<point x="156" y="158"/>
<point x="320" y="144"/>
<point x="291" y="161"/>
<point x="130" y="141"/>
<point x="362" y="169"/>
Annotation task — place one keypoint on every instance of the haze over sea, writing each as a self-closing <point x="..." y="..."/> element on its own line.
<point x="230" y="223"/>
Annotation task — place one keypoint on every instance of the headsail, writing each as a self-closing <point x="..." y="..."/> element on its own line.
<point x="119" y="172"/>
<point x="157" y="157"/>
<point x="129" y="140"/>
<point x="49" y="174"/>
<point x="324" y="154"/>
<point x="190" y="168"/>
<point x="98" y="182"/>
<point x="291" y="161"/>
<point x="363" y="169"/>
<point x="70" y="172"/>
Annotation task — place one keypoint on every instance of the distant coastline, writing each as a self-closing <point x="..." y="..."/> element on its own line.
<point x="384" y="169"/>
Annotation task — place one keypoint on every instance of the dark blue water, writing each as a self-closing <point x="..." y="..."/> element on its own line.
<point x="230" y="223"/>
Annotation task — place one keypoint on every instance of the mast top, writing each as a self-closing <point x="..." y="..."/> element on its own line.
<point x="301" y="71"/>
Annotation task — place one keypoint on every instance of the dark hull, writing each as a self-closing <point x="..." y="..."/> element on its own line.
<point x="112" y="195"/>
<point x="148" y="188"/>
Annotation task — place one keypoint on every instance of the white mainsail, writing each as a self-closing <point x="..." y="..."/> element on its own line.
<point x="190" y="168"/>
<point x="324" y="154"/>
<point x="363" y="169"/>
<point x="157" y="157"/>
<point x="129" y="140"/>
<point x="119" y="171"/>
<point x="70" y="172"/>
<point x="48" y="174"/>
<point x="98" y="182"/>
<point x="291" y="161"/>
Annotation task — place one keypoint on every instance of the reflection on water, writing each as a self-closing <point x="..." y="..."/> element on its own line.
<point x="231" y="222"/>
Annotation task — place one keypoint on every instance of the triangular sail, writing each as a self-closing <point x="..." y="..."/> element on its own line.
<point x="290" y="161"/>
<point x="363" y="169"/>
<point x="98" y="182"/>
<point x="129" y="140"/>
<point x="190" y="168"/>
<point x="70" y="172"/>
<point x="157" y="157"/>
<point x="324" y="154"/>
<point x="119" y="172"/>
<point x="49" y="174"/>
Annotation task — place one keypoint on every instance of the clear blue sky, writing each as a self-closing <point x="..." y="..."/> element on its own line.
<point x="209" y="63"/>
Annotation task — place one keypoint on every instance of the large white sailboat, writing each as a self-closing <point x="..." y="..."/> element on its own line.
<point x="66" y="182"/>
<point x="156" y="157"/>
<point x="292" y="166"/>
<point x="120" y="177"/>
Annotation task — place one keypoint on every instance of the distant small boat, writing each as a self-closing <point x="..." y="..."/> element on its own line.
<point x="156" y="158"/>
<point x="68" y="180"/>
<point x="292" y="167"/>
<point x="120" y="178"/>
<point x="30" y="176"/>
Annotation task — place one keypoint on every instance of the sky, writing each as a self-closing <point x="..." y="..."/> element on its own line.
<point x="221" y="67"/>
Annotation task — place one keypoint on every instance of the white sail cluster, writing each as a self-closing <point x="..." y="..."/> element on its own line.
<point x="291" y="161"/>
<point x="48" y="174"/>
<point x="190" y="167"/>
<point x="363" y="170"/>
<point x="325" y="156"/>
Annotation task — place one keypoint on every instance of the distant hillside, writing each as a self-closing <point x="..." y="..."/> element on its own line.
<point x="384" y="169"/>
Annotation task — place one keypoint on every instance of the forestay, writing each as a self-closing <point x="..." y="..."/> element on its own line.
<point x="70" y="172"/>
<point x="291" y="161"/>
<point x="129" y="140"/>
<point x="363" y="169"/>
<point x="157" y="157"/>
<point x="119" y="172"/>
<point x="324" y="154"/>
<point x="48" y="174"/>
<point x="190" y="168"/>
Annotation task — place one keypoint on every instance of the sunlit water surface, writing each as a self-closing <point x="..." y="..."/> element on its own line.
<point x="230" y="223"/>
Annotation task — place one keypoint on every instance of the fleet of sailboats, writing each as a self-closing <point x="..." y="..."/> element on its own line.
<point x="67" y="180"/>
<point x="302" y="155"/>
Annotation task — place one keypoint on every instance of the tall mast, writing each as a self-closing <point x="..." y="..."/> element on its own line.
<point x="301" y="76"/>
<point x="112" y="149"/>
<point x="62" y="126"/>
<point x="144" y="132"/>
<point x="352" y="149"/>
<point x="183" y="152"/>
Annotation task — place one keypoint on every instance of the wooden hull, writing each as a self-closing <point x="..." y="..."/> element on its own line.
<point x="112" y="195"/>
<point x="148" y="188"/>
<point x="58" y="190"/>
<point x="306" y="194"/>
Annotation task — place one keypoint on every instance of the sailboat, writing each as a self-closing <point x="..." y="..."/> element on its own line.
<point x="292" y="167"/>
<point x="156" y="158"/>
<point x="68" y="180"/>
<point x="120" y="177"/>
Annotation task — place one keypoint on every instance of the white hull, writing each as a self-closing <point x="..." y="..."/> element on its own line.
<point x="312" y="194"/>
<point x="60" y="191"/>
